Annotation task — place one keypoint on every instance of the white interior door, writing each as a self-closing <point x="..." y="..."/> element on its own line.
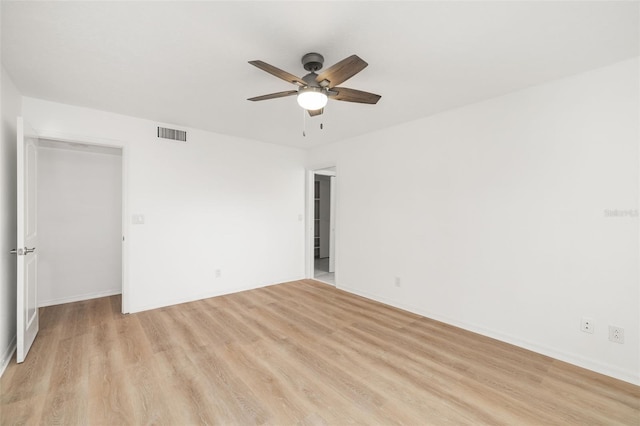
<point x="332" y="225"/>
<point x="27" y="309"/>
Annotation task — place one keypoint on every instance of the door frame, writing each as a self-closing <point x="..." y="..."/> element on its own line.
<point x="110" y="143"/>
<point x="309" y="233"/>
<point x="332" y="224"/>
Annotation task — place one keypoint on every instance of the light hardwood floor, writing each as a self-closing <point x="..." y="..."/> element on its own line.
<point x="294" y="353"/>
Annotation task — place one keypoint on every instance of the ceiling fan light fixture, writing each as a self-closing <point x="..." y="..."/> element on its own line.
<point x="312" y="98"/>
<point x="314" y="89"/>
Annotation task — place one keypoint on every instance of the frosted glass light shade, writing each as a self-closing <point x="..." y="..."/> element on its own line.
<point x="312" y="98"/>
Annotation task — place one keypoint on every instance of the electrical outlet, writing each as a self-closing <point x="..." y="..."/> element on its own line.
<point x="396" y="281"/>
<point x="616" y="334"/>
<point x="586" y="325"/>
<point x="218" y="273"/>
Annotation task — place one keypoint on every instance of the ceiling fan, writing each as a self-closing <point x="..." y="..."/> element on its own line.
<point x="315" y="89"/>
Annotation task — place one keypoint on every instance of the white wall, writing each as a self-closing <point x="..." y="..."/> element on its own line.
<point x="79" y="224"/>
<point x="11" y="105"/>
<point x="214" y="202"/>
<point x="493" y="217"/>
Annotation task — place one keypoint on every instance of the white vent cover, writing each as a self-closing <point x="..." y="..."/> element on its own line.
<point x="176" y="135"/>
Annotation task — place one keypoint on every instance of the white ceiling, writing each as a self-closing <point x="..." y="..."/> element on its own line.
<point x="185" y="63"/>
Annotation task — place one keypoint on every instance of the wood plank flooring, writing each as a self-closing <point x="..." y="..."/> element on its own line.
<point x="295" y="353"/>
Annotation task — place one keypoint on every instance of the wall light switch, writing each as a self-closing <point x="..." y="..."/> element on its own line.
<point x="137" y="219"/>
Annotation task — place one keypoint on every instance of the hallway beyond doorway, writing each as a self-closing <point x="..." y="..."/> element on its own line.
<point x="321" y="271"/>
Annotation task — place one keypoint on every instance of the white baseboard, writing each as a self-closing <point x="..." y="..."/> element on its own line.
<point x="78" y="298"/>
<point x="589" y="364"/>
<point x="7" y="356"/>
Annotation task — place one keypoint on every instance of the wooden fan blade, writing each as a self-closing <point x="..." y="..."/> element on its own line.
<point x="273" y="95"/>
<point x="314" y="112"/>
<point x="342" y="71"/>
<point x="353" y="95"/>
<point x="278" y="73"/>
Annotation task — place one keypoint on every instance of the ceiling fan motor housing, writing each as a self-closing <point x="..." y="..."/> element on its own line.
<point x="310" y="79"/>
<point x="312" y="61"/>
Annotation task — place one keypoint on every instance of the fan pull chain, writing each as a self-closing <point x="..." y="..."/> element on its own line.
<point x="304" y="123"/>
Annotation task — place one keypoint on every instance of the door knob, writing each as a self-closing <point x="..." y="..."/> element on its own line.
<point x="29" y="250"/>
<point x="19" y="251"/>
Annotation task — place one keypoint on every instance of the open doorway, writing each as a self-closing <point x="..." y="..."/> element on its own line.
<point x="324" y="184"/>
<point x="34" y="218"/>
<point x="80" y="195"/>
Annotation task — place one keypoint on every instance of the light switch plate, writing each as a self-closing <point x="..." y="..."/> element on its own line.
<point x="137" y="219"/>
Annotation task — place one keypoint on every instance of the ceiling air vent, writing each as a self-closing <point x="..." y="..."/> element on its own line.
<point x="176" y="135"/>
